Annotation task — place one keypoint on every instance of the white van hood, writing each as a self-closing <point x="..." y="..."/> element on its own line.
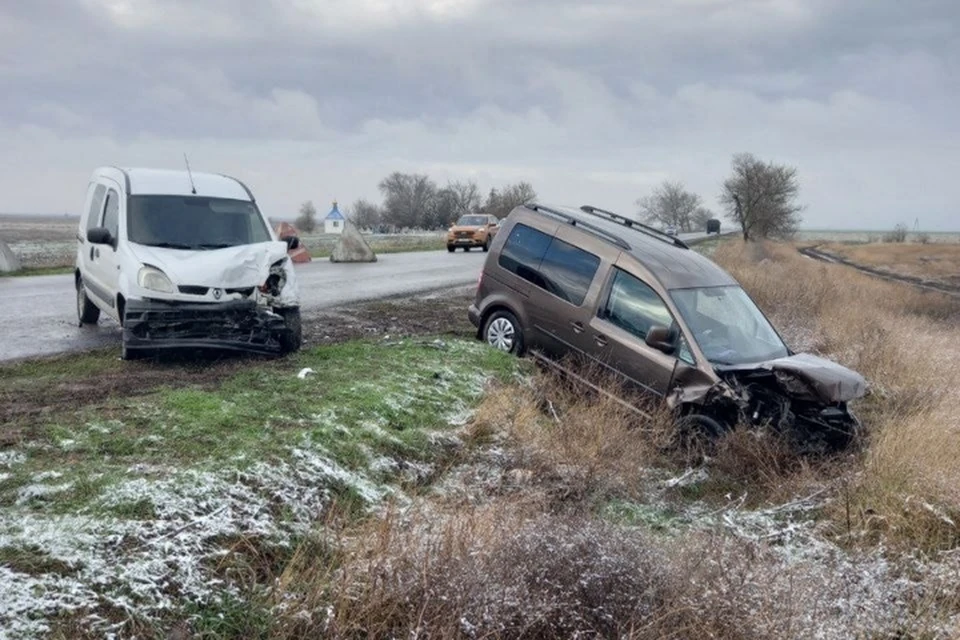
<point x="232" y="267"/>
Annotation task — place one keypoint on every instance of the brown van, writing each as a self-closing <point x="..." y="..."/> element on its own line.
<point x="597" y="286"/>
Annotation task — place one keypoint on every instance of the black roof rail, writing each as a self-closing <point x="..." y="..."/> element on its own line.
<point x="633" y="224"/>
<point x="575" y="222"/>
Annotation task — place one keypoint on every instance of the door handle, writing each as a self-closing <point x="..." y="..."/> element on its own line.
<point x="600" y="339"/>
<point x="91" y="253"/>
<point x="577" y="327"/>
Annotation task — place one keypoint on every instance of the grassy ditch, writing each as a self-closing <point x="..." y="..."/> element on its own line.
<point x="123" y="511"/>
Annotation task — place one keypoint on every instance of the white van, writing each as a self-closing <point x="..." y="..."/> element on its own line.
<point x="184" y="260"/>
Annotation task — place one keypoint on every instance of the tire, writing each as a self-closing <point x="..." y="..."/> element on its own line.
<point x="292" y="339"/>
<point x="502" y="331"/>
<point x="486" y="245"/>
<point x="697" y="434"/>
<point x="87" y="312"/>
<point x="451" y="248"/>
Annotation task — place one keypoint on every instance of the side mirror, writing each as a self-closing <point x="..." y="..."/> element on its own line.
<point x="99" y="235"/>
<point x="293" y="242"/>
<point x="659" y="338"/>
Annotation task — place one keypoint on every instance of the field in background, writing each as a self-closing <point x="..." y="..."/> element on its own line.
<point x="827" y="235"/>
<point x="934" y="261"/>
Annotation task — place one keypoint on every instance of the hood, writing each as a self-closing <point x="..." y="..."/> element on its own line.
<point x="232" y="267"/>
<point x="810" y="377"/>
<point x="458" y="227"/>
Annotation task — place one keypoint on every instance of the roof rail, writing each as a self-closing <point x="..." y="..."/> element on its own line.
<point x="633" y="224"/>
<point x="575" y="222"/>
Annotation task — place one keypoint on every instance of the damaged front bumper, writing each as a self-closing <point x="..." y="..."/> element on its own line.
<point x="240" y="325"/>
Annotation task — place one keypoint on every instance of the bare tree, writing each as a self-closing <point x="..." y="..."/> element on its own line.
<point x="457" y="199"/>
<point x="501" y="203"/>
<point x="700" y="218"/>
<point x="670" y="204"/>
<point x="307" y="220"/>
<point x="761" y="197"/>
<point x="409" y="200"/>
<point x="365" y="214"/>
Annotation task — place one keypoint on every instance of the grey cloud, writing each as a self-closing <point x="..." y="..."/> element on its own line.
<point x="577" y="97"/>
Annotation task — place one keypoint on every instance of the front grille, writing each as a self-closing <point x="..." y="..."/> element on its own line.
<point x="193" y="290"/>
<point x="464" y="234"/>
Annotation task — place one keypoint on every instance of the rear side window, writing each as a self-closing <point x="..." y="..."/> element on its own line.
<point x="523" y="251"/>
<point x="111" y="213"/>
<point x="96" y="206"/>
<point x="554" y="265"/>
<point x="567" y="271"/>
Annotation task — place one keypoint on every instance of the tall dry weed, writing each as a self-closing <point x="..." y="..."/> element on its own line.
<point x="907" y="343"/>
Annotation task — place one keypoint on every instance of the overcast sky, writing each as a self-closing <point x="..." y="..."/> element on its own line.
<point x="591" y="102"/>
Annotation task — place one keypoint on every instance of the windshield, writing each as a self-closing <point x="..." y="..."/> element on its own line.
<point x="728" y="326"/>
<point x="193" y="222"/>
<point x="472" y="221"/>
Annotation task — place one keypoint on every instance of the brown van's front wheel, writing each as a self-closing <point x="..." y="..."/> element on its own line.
<point x="502" y="331"/>
<point x="486" y="245"/>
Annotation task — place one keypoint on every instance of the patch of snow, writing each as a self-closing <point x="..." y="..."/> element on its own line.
<point x="32" y="492"/>
<point x="12" y="457"/>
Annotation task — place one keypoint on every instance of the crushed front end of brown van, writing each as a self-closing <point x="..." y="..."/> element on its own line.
<point x="801" y="396"/>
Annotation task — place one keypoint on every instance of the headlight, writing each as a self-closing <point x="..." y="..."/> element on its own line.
<point x="154" y="279"/>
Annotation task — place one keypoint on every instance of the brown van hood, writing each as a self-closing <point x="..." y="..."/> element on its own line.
<point x="456" y="228"/>
<point x="810" y="377"/>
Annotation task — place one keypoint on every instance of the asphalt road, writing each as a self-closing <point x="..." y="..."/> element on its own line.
<point x="38" y="314"/>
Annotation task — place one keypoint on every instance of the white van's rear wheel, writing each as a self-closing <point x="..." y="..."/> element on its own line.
<point x="87" y="312"/>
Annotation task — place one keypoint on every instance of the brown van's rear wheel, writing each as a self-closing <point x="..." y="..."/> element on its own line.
<point x="502" y="331"/>
<point x="451" y="248"/>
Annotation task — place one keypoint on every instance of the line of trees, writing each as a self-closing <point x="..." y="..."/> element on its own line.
<point x="415" y="201"/>
<point x="759" y="197"/>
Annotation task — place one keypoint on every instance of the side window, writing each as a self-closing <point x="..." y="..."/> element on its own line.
<point x="567" y="271"/>
<point x="111" y="213"/>
<point x="634" y="306"/>
<point x="96" y="206"/>
<point x="523" y="251"/>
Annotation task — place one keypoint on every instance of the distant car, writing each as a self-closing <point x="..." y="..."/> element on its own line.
<point x="184" y="261"/>
<point x="476" y="230"/>
<point x="670" y="230"/>
<point x="713" y="226"/>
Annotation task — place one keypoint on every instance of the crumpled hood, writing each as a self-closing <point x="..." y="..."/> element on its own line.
<point x="232" y="267"/>
<point x="809" y="376"/>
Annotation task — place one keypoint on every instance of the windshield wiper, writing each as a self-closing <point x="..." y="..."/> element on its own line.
<point x="213" y="245"/>
<point x="169" y="245"/>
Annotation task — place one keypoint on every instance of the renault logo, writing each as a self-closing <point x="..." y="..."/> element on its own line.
<point x="217" y="293"/>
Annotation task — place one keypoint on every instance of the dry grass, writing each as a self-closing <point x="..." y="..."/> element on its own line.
<point x="934" y="261"/>
<point x="907" y="344"/>
<point x="525" y="554"/>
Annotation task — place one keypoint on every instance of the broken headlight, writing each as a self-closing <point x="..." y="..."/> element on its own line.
<point x="154" y="279"/>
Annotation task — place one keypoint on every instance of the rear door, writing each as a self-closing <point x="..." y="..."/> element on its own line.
<point x="562" y="302"/>
<point x="616" y="335"/>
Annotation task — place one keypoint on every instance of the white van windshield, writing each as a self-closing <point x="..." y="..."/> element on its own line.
<point x="728" y="326"/>
<point x="194" y="222"/>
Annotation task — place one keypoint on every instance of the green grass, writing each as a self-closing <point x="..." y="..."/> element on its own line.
<point x="58" y="368"/>
<point x="366" y="401"/>
<point x="39" y="271"/>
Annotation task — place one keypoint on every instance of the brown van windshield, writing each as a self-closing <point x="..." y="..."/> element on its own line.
<point x="728" y="326"/>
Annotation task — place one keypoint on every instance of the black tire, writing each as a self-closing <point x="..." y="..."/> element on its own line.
<point x="87" y="312"/>
<point x="292" y="339"/>
<point x="486" y="245"/>
<point x="697" y="434"/>
<point x="502" y="331"/>
<point x="451" y="248"/>
<point x="126" y="353"/>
